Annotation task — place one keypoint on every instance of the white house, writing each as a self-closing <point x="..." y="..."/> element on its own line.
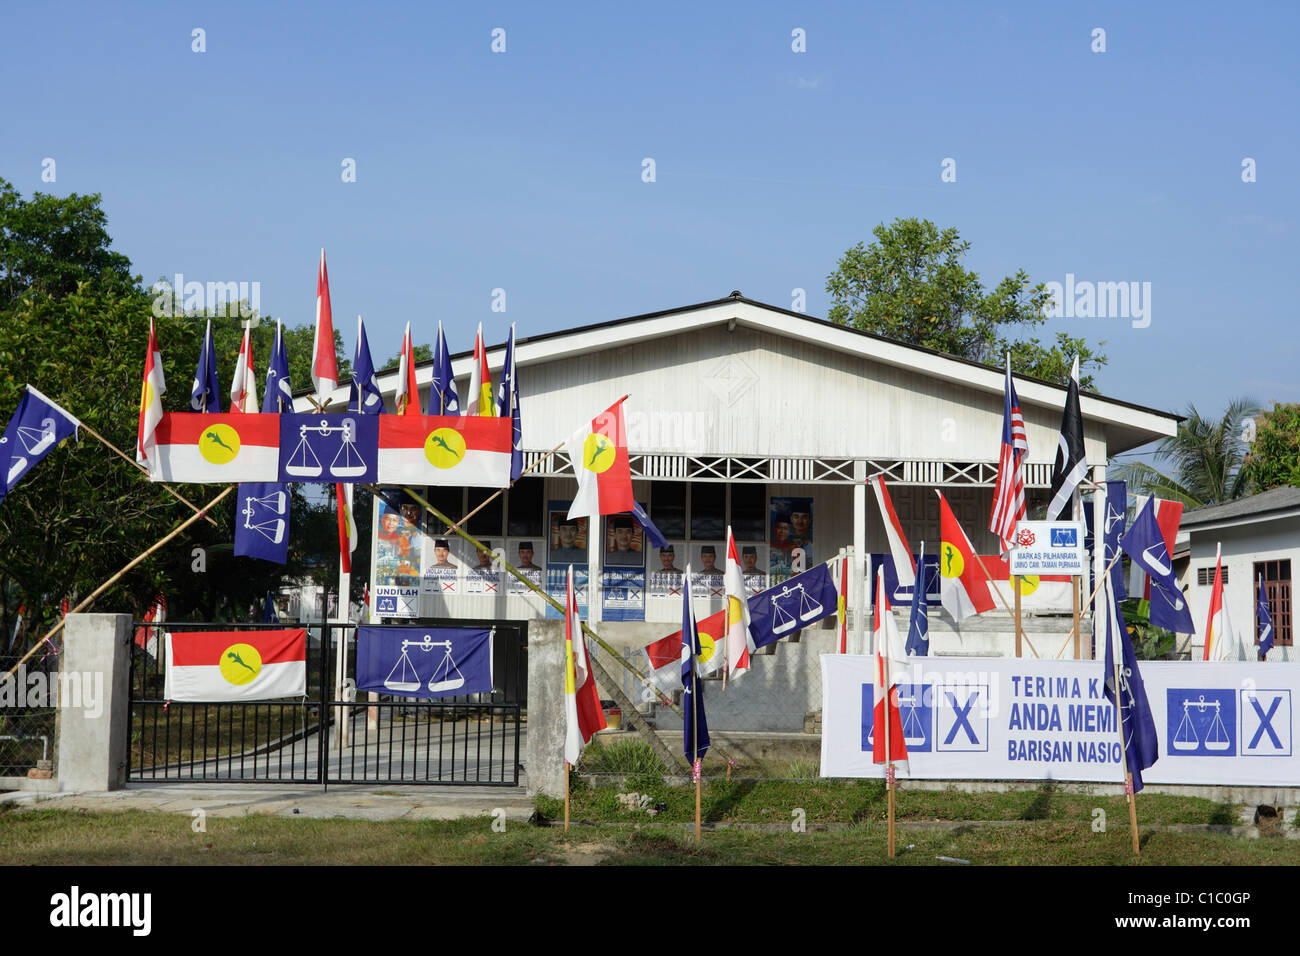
<point x="1260" y="538"/>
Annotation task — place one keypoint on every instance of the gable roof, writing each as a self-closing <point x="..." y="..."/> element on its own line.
<point x="1128" y="425"/>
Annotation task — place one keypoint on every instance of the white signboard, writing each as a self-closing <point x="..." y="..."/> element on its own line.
<point x="1028" y="719"/>
<point x="1049" y="547"/>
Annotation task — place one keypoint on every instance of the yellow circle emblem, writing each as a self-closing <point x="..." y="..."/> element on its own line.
<point x="146" y="395"/>
<point x="219" y="444"/>
<point x="951" y="564"/>
<point x="733" y="611"/>
<point x="1028" y="583"/>
<point x="707" y="647"/>
<point x="445" y="448"/>
<point x="598" y="453"/>
<point x="240" y="663"/>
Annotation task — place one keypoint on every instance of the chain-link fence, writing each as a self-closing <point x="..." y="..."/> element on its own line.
<point x="28" y="707"/>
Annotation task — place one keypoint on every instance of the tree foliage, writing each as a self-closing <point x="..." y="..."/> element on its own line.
<point x="74" y="323"/>
<point x="910" y="285"/>
<point x="1274" y="458"/>
<point x="1206" y="456"/>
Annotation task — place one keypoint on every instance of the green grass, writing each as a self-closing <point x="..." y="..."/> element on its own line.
<point x="858" y="801"/>
<point x="61" y="837"/>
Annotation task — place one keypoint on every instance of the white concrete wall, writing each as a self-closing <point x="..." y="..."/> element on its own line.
<point x="1243" y="547"/>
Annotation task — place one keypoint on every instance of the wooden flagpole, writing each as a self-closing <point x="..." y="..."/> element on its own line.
<point x="567" y="768"/>
<point x="1075" y="580"/>
<point x="486" y="501"/>
<point x="665" y="754"/>
<point x="132" y="563"/>
<point x="1097" y="587"/>
<point x="696" y="774"/>
<point x="1123" y="744"/>
<point x="889" y="763"/>
<point x="131" y="461"/>
<point x="998" y="592"/>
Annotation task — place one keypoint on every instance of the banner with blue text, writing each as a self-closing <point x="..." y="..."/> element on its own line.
<point x="1024" y="719"/>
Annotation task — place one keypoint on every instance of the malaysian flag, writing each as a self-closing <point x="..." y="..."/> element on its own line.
<point x="1009" y="492"/>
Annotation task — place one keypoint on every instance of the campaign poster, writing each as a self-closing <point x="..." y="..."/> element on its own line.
<point x="708" y="563"/>
<point x="790" y="534"/>
<point x="483" y="572"/>
<point x="442" y="570"/>
<point x="665" y="577"/>
<point x="623" y="597"/>
<point x="398" y="549"/>
<point x="625" y="543"/>
<point x="523" y="554"/>
<point x="566" y="538"/>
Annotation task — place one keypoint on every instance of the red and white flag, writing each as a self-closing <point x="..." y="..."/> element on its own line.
<point x="229" y="448"/>
<point x="665" y="654"/>
<point x="598" y="451"/>
<point x="1221" y="642"/>
<point x="324" y="364"/>
<point x="236" y="665"/>
<point x="740" y="644"/>
<point x="1009" y="491"/>
<point x="583" y="715"/>
<point x="146" y="637"/>
<point x="407" y="395"/>
<point x="151" y="392"/>
<point x="904" y="563"/>
<point x="444" y="450"/>
<point x="963" y="589"/>
<point x="1168" y="516"/>
<point x="347" y="527"/>
<point x="243" y="385"/>
<point x="481" y="401"/>
<point x="891" y="665"/>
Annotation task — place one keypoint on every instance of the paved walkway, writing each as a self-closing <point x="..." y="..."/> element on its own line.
<point x="352" y="802"/>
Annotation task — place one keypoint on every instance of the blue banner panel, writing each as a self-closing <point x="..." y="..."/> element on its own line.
<point x="329" y="448"/>
<point x="425" y="662"/>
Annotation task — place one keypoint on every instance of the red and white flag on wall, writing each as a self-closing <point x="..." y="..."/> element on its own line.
<point x="236" y="665"/>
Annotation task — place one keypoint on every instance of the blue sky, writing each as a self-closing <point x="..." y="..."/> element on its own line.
<point x="522" y="170"/>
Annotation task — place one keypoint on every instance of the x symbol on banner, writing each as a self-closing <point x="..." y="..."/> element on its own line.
<point x="1265" y="723"/>
<point x="715" y="592"/>
<point x="963" y="718"/>
<point x="490" y="586"/>
<point x="673" y="590"/>
<point x="449" y="585"/>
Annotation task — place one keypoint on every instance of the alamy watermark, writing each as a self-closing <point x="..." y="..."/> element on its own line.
<point x="1100" y="300"/>
<point x="81" y="689"/>
<point x="226" y="299"/>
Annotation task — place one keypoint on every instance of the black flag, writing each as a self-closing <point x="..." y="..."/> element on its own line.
<point x="1071" y="466"/>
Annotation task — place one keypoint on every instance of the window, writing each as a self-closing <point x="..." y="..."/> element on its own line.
<point x="448" y="500"/>
<point x="1277" y="589"/>
<point x="668" y="508"/>
<point x="708" y="511"/>
<point x="486" y="523"/>
<point x="749" y="512"/>
<point x="525" y="519"/>
<point x="1205" y="576"/>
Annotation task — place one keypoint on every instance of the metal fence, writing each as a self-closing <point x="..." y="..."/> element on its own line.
<point x="322" y="738"/>
<point x="28" y="711"/>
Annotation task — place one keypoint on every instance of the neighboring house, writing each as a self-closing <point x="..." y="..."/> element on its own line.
<point x="1260" y="537"/>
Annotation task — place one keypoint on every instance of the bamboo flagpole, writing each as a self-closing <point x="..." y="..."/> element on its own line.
<point x="1116" y="653"/>
<point x="492" y="497"/>
<point x="1092" y="597"/>
<point x="889" y="763"/>
<point x="135" y="464"/>
<point x="567" y="768"/>
<point x="665" y="754"/>
<point x="132" y="563"/>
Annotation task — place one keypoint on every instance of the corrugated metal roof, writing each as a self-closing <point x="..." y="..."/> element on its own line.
<point x="1278" y="499"/>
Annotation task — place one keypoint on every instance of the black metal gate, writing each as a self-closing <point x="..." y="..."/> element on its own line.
<point x="470" y="740"/>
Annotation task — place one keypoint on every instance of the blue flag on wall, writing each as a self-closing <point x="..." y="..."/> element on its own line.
<point x="329" y="448"/>
<point x="798" y="602"/>
<point x="262" y="521"/>
<point x="37" y="428"/>
<point x="426" y="662"/>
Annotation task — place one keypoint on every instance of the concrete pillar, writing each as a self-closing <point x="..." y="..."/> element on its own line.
<point x="544" y="750"/>
<point x="94" y="723"/>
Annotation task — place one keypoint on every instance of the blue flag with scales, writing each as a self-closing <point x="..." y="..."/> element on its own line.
<point x="1265" y="620"/>
<point x="37" y="428"/>
<point x="1145" y="545"/>
<point x="426" y="662"/>
<point x="1141" y="745"/>
<point x="796" y="603"/>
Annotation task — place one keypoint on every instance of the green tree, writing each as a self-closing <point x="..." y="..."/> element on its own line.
<point x="1274" y="458"/>
<point x="83" y="512"/>
<point x="910" y="285"/>
<point x="422" y="353"/>
<point x="1207" y="456"/>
